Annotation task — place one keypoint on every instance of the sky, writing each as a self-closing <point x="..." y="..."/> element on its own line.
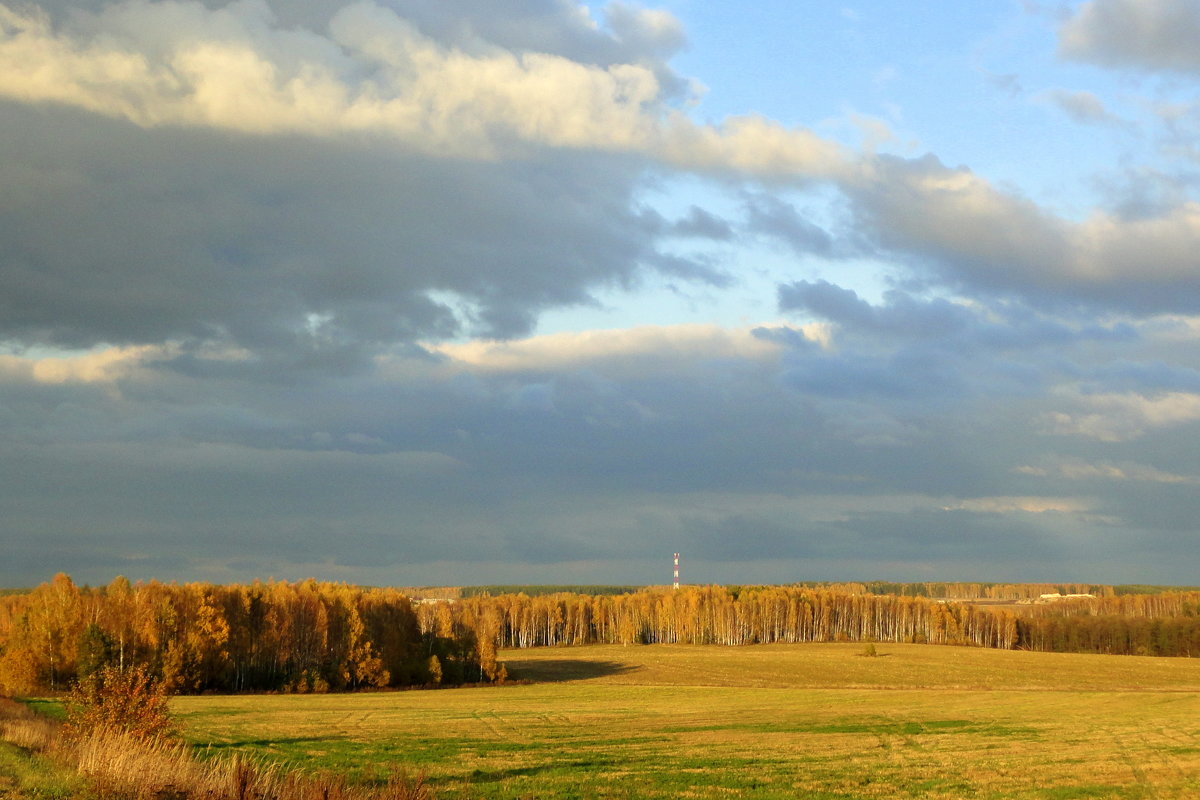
<point x="446" y="292"/>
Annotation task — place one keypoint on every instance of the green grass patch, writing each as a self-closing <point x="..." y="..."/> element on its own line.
<point x="46" y="706"/>
<point x="26" y="775"/>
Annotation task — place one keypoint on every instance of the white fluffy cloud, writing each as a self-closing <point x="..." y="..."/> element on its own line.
<point x="374" y="73"/>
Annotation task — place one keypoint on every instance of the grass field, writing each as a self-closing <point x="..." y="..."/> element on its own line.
<point x="817" y="720"/>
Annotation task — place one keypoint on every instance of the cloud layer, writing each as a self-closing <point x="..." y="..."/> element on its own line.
<point x="271" y="280"/>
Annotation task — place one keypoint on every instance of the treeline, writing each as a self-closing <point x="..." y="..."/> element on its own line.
<point x="1141" y="588"/>
<point x="735" y="616"/>
<point x="310" y="636"/>
<point x="1166" y="624"/>
<point x="967" y="591"/>
<point x="293" y="637"/>
<point x="533" y="591"/>
<point x="1162" y="604"/>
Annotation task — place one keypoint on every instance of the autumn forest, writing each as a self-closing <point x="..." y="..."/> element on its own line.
<point x="319" y="637"/>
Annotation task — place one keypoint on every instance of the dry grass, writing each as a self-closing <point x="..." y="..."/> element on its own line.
<point x="116" y="764"/>
<point x="21" y="727"/>
<point x="124" y="766"/>
<point x="778" y="721"/>
<point x="827" y="666"/>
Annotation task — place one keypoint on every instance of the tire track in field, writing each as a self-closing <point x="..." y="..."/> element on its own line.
<point x="1171" y="762"/>
<point x="353" y="720"/>
<point x="1139" y="774"/>
<point x="499" y="727"/>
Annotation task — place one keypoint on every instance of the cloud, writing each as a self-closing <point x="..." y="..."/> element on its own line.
<point x="1144" y="34"/>
<point x="902" y="314"/>
<point x="597" y="448"/>
<point x="1080" y="470"/>
<point x="270" y="275"/>
<point x="669" y="346"/>
<point x="1120" y="417"/>
<point x="979" y="239"/>
<point x="102" y="366"/>
<point x="374" y="73"/>
<point x="357" y="173"/>
<point x="1029" y="505"/>
<point x="773" y="217"/>
<point x="952" y="534"/>
<point x="1082" y="107"/>
<point x="965" y="327"/>
<point x="313" y="194"/>
<point x="292" y="249"/>
<point x="646" y="30"/>
<point x="701" y="224"/>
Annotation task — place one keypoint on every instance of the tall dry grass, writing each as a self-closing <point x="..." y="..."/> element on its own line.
<point x="130" y="767"/>
<point x="119" y="765"/>
<point x="20" y="726"/>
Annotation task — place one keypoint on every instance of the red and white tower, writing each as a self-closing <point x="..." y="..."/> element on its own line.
<point x="676" y="584"/>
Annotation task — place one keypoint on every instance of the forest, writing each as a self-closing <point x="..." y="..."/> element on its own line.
<point x="318" y="637"/>
<point x="1164" y="624"/>
<point x="276" y="636"/>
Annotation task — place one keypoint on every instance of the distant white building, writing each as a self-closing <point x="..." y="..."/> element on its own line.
<point x="1058" y="598"/>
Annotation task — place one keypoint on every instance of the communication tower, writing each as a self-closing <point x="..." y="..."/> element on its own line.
<point x="676" y="584"/>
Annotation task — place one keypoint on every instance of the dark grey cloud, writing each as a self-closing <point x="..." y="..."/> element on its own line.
<point x="293" y="247"/>
<point x="1144" y="34"/>
<point x="600" y="461"/>
<point x="775" y="218"/>
<point x="703" y="225"/>
<point x="1152" y="375"/>
<point x="903" y="315"/>
<point x="952" y="534"/>
<point x="994" y="326"/>
<point x="747" y="536"/>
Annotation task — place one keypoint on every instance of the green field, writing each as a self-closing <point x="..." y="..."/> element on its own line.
<point x="779" y="721"/>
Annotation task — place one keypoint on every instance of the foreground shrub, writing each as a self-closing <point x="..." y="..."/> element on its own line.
<point x="129" y="701"/>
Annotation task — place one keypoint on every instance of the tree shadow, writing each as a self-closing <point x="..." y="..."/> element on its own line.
<point x="497" y="776"/>
<point x="560" y="670"/>
<point x="268" y="742"/>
